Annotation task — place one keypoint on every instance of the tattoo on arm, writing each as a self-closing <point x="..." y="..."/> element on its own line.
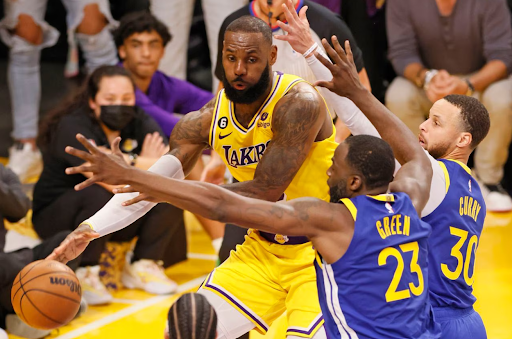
<point x="296" y="123"/>
<point x="190" y="136"/>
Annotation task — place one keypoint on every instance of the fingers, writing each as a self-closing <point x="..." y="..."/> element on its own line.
<point x="331" y="52"/>
<point x="115" y="146"/>
<point x="87" y="144"/>
<point x="350" y="55"/>
<point x="89" y="182"/>
<point x="79" y="154"/>
<point x="289" y="12"/>
<point x="302" y="14"/>
<point x="339" y="50"/>
<point x="324" y="61"/>
<point x="284" y="27"/>
<point x="325" y="84"/>
<point x="135" y="200"/>
<point x="125" y="189"/>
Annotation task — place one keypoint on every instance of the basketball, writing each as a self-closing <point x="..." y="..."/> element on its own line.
<point x="46" y="294"/>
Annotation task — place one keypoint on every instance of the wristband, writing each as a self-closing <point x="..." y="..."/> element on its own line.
<point x="310" y="50"/>
<point x="429" y="76"/>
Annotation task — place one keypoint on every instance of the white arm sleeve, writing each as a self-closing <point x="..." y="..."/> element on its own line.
<point x="437" y="188"/>
<point x="113" y="216"/>
<point x="345" y="109"/>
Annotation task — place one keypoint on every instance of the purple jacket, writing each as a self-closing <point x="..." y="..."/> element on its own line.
<point x="166" y="96"/>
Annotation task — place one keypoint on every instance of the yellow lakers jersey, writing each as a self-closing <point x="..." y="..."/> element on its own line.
<point x="242" y="148"/>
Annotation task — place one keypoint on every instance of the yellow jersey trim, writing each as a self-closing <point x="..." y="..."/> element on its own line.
<point x="466" y="168"/>
<point x="318" y="259"/>
<point x="383" y="197"/>
<point x="351" y="207"/>
<point x="446" y="175"/>
<point x="214" y="119"/>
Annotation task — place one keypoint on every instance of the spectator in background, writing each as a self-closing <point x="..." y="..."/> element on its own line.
<point x="141" y="39"/>
<point x="323" y="23"/>
<point x="103" y="111"/>
<point x="14" y="204"/>
<point x="25" y="32"/>
<point x="465" y="49"/>
<point x="177" y="15"/>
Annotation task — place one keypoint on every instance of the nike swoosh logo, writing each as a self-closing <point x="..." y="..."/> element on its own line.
<point x="224" y="136"/>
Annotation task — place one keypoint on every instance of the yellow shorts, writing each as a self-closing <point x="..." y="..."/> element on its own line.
<point x="262" y="280"/>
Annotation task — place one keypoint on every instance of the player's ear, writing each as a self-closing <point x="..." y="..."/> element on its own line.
<point x="355" y="183"/>
<point x="465" y="140"/>
<point x="122" y="52"/>
<point x="273" y="55"/>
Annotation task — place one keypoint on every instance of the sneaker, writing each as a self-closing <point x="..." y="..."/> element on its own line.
<point x="82" y="309"/>
<point x="24" y="161"/>
<point x="149" y="276"/>
<point x="14" y="325"/>
<point x="93" y="290"/>
<point x="3" y="334"/>
<point x="496" y="198"/>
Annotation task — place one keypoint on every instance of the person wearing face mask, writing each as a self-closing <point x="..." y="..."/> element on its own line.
<point x="103" y="110"/>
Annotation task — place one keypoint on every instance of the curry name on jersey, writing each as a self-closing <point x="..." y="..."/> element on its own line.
<point x="456" y="227"/>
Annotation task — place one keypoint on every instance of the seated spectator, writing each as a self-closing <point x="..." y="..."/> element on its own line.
<point x="141" y="39"/>
<point x="191" y="317"/>
<point x="14" y="204"/>
<point x="467" y="49"/>
<point x="103" y="111"/>
<point x="26" y="33"/>
<point x="10" y="265"/>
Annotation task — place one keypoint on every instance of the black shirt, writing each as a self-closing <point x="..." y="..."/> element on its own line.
<point x="54" y="181"/>
<point x="322" y="21"/>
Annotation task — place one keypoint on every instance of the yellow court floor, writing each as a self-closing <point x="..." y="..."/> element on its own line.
<point x="135" y="314"/>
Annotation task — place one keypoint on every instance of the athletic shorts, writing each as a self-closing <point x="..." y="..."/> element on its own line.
<point x="262" y="279"/>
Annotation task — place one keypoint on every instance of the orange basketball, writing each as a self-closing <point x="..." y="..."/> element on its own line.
<point x="46" y="294"/>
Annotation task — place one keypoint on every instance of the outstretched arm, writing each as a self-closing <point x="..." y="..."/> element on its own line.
<point x="297" y="121"/>
<point x="415" y="176"/>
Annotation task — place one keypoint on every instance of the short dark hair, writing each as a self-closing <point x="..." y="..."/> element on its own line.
<point x="373" y="158"/>
<point x="250" y="24"/>
<point x="475" y="117"/>
<point x="139" y="22"/>
<point x="192" y="316"/>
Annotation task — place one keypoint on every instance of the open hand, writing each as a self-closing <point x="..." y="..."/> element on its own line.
<point x="153" y="146"/>
<point x="107" y="168"/>
<point x="298" y="32"/>
<point x="345" y="79"/>
<point x="74" y="244"/>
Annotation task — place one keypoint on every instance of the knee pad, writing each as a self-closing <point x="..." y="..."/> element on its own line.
<point x="98" y="49"/>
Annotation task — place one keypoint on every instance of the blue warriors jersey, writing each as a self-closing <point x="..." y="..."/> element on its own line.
<point x="456" y="227"/>
<point x="379" y="288"/>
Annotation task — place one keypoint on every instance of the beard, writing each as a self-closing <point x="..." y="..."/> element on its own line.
<point x="439" y="150"/>
<point x="251" y="93"/>
<point x="338" y="192"/>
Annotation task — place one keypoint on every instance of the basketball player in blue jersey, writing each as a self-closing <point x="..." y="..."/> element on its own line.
<point x="372" y="247"/>
<point x="455" y="209"/>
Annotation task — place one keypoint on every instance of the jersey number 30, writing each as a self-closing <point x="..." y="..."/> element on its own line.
<point x="461" y="262"/>
<point x="392" y="294"/>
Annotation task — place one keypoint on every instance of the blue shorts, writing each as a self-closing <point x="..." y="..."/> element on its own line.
<point x="460" y="323"/>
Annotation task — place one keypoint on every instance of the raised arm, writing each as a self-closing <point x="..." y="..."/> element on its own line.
<point x="297" y="121"/>
<point x="415" y="176"/>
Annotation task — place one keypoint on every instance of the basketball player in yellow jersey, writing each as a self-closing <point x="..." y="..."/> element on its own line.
<point x="276" y="136"/>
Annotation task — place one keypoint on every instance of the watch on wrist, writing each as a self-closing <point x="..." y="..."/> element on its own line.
<point x="471" y="88"/>
<point x="133" y="158"/>
<point x="429" y="76"/>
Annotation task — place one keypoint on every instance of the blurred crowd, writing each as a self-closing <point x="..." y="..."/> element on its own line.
<point x="136" y="61"/>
